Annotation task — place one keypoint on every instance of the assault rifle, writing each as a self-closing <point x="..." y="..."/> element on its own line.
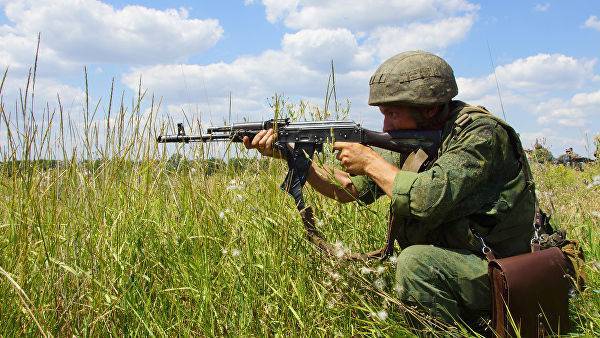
<point x="314" y="133"/>
<point x="308" y="138"/>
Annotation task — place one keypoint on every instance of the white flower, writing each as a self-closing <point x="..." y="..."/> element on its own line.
<point x="382" y="315"/>
<point x="319" y="223"/>
<point x="365" y="270"/>
<point x="596" y="214"/>
<point x="239" y="197"/>
<point x="224" y="251"/>
<point x="595" y="182"/>
<point x="235" y="252"/>
<point x="235" y="185"/>
<point x="393" y="259"/>
<point x="222" y="214"/>
<point x="335" y="276"/>
<point x="380" y="270"/>
<point x="379" y="283"/>
<point x="340" y="251"/>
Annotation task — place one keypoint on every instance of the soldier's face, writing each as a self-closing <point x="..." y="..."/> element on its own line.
<point x="397" y="118"/>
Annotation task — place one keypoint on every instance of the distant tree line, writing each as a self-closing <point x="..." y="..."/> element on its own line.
<point x="175" y="163"/>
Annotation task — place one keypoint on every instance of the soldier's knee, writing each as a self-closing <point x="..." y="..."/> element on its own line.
<point x="413" y="256"/>
<point x="414" y="267"/>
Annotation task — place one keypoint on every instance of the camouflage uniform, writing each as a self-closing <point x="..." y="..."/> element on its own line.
<point x="476" y="185"/>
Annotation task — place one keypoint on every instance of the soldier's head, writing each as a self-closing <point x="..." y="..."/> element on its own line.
<point x="412" y="90"/>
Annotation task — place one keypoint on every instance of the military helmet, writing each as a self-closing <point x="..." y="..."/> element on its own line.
<point x="414" y="78"/>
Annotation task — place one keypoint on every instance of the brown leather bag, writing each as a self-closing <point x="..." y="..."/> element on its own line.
<point x="530" y="292"/>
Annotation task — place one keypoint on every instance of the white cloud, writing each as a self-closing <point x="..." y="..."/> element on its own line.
<point x="474" y="88"/>
<point x="251" y="80"/>
<point x="533" y="92"/>
<point x="90" y="31"/>
<point x="359" y="14"/>
<point x="316" y="47"/>
<point x="46" y="91"/>
<point x="587" y="99"/>
<point x="544" y="72"/>
<point x="592" y="22"/>
<point x="434" y="36"/>
<point x="537" y="74"/>
<point x="541" y="7"/>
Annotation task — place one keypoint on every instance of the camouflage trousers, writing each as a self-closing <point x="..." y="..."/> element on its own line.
<point x="448" y="284"/>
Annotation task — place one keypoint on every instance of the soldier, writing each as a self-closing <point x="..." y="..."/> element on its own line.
<point x="476" y="189"/>
<point x="540" y="154"/>
<point x="572" y="159"/>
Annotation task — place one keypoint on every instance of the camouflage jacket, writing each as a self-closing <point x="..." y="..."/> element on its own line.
<point x="480" y="183"/>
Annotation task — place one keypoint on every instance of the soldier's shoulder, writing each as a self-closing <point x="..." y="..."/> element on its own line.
<point x="471" y="118"/>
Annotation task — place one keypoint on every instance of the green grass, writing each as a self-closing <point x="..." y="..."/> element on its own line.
<point x="132" y="244"/>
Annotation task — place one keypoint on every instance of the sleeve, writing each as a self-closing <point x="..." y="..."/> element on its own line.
<point x="368" y="190"/>
<point x="468" y="162"/>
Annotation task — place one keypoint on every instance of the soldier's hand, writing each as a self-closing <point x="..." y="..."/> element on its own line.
<point x="263" y="142"/>
<point x="355" y="157"/>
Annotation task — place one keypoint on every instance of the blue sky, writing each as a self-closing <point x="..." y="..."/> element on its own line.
<point x="192" y="54"/>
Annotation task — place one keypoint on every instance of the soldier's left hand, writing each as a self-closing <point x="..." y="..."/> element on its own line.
<point x="355" y="157"/>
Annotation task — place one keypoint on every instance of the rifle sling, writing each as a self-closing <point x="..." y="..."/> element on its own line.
<point x="413" y="162"/>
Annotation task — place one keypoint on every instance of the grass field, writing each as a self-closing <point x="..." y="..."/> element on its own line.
<point x="137" y="244"/>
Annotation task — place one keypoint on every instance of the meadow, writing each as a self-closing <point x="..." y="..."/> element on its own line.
<point x="122" y="236"/>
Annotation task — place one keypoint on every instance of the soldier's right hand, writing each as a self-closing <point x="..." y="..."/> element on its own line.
<point x="263" y="142"/>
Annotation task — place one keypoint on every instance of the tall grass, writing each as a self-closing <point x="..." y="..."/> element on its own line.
<point x="116" y="238"/>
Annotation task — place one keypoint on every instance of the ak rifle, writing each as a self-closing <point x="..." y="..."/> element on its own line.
<point x="308" y="138"/>
<point x="314" y="134"/>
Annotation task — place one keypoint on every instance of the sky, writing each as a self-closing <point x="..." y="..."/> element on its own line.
<point x="194" y="55"/>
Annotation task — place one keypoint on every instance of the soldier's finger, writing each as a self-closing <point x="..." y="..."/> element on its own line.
<point x="263" y="142"/>
<point x="271" y="140"/>
<point x="257" y="138"/>
<point x="340" y="145"/>
<point x="246" y="141"/>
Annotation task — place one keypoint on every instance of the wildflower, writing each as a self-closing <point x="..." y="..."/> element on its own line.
<point x="393" y="259"/>
<point x="222" y="214"/>
<point x="398" y="288"/>
<point x="235" y="252"/>
<point x="319" y="223"/>
<point x="235" y="185"/>
<point x="596" y="214"/>
<point x="379" y="283"/>
<point x="224" y="251"/>
<point x="382" y="315"/>
<point x="239" y="197"/>
<point x="365" y="270"/>
<point x="595" y="182"/>
<point x="379" y="315"/>
<point x="380" y="270"/>
<point x="334" y="275"/>
<point x="340" y="251"/>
